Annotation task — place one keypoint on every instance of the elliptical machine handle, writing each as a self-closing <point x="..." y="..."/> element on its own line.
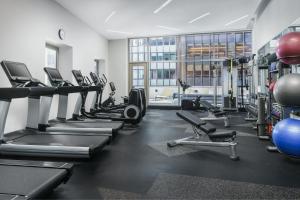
<point x="105" y="79"/>
<point x="88" y="81"/>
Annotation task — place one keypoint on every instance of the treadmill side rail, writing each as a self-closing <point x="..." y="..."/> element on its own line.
<point x="45" y="151"/>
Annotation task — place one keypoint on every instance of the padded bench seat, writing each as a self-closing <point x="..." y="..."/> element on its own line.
<point x="190" y="118"/>
<point x="207" y="128"/>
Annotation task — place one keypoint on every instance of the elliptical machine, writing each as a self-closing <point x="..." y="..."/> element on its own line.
<point x="109" y="106"/>
<point x="132" y="113"/>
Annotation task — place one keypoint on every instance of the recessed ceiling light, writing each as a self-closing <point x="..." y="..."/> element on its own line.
<point x="162" y="6"/>
<point x="168" y="28"/>
<point x="236" y="20"/>
<point x="200" y="17"/>
<point x="110" y="16"/>
<point x="120" y="32"/>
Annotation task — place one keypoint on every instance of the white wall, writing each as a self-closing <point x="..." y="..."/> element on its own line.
<point x="276" y="17"/>
<point x="118" y="66"/>
<point x="26" y="26"/>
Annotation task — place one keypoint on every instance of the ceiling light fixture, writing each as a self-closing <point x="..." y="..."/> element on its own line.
<point x="120" y="32"/>
<point x="110" y="16"/>
<point x="168" y="28"/>
<point x="200" y="17"/>
<point x="162" y="6"/>
<point x="236" y="20"/>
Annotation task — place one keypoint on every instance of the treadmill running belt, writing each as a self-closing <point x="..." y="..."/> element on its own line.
<point x="21" y="180"/>
<point x="114" y="126"/>
<point x="57" y="139"/>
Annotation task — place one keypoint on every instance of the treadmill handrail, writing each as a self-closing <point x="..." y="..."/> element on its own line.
<point x="14" y="93"/>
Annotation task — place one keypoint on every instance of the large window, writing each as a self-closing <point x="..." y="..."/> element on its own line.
<point x="162" y="61"/>
<point x="205" y="53"/>
<point x="196" y="58"/>
<point x="138" y="50"/>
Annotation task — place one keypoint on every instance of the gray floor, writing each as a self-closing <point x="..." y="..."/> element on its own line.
<point x="139" y="165"/>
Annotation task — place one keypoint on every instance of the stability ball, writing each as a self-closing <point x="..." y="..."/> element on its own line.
<point x="286" y="137"/>
<point x="288" y="48"/>
<point x="287" y="90"/>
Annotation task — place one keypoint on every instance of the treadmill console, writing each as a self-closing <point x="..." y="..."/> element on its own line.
<point x="53" y="75"/>
<point x="16" y="72"/>
<point x="94" y="78"/>
<point x="78" y="77"/>
<point x="112" y="86"/>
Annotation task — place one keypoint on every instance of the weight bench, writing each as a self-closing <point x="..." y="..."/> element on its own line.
<point x="214" y="113"/>
<point x="251" y="113"/>
<point x="217" y="139"/>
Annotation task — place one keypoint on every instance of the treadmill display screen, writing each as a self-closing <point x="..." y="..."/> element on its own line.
<point x="78" y="76"/>
<point x="54" y="74"/>
<point x="17" y="69"/>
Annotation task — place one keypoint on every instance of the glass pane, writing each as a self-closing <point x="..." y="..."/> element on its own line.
<point x="248" y="44"/>
<point x="160" y="74"/>
<point x="222" y="46"/>
<point x="134" y="57"/>
<point x="154" y="56"/>
<point x="141" y="74"/>
<point x="190" y="74"/>
<point x="141" y="83"/>
<point x="51" y="57"/>
<point x="206" y="69"/>
<point x="239" y="45"/>
<point x="160" y="56"/>
<point x="206" y="46"/>
<point x="153" y="65"/>
<point x="198" y="73"/>
<point x="135" y="42"/>
<point x="231" y="45"/>
<point x="135" y="74"/>
<point x="141" y="57"/>
<point x="160" y="65"/>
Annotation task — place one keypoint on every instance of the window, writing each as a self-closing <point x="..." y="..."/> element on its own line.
<point x="138" y="76"/>
<point x="248" y="44"/>
<point x="231" y="45"/>
<point x="51" y="56"/>
<point x="239" y="45"/>
<point x="192" y="57"/>
<point x="138" y="50"/>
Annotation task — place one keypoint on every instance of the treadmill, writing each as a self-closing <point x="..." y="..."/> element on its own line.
<point x="31" y="179"/>
<point x="31" y="142"/>
<point x="65" y="87"/>
<point x="40" y="119"/>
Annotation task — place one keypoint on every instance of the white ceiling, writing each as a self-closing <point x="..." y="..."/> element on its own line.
<point x="136" y="17"/>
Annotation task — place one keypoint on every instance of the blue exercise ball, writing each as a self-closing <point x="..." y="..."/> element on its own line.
<point x="286" y="137"/>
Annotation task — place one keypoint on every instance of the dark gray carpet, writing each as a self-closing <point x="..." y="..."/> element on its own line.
<point x="136" y="166"/>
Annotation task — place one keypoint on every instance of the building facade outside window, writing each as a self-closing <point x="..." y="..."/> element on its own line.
<point x="195" y="58"/>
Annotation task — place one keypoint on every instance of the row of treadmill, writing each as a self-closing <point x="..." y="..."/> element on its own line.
<point x="80" y="137"/>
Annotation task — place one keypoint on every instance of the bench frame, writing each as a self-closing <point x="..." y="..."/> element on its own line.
<point x="196" y="141"/>
<point x="213" y="117"/>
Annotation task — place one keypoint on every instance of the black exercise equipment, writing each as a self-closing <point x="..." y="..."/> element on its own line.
<point x="31" y="179"/>
<point x="31" y="142"/>
<point x="109" y="106"/>
<point x="86" y="126"/>
<point x="131" y="114"/>
<point x="217" y="139"/>
<point x="188" y="103"/>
